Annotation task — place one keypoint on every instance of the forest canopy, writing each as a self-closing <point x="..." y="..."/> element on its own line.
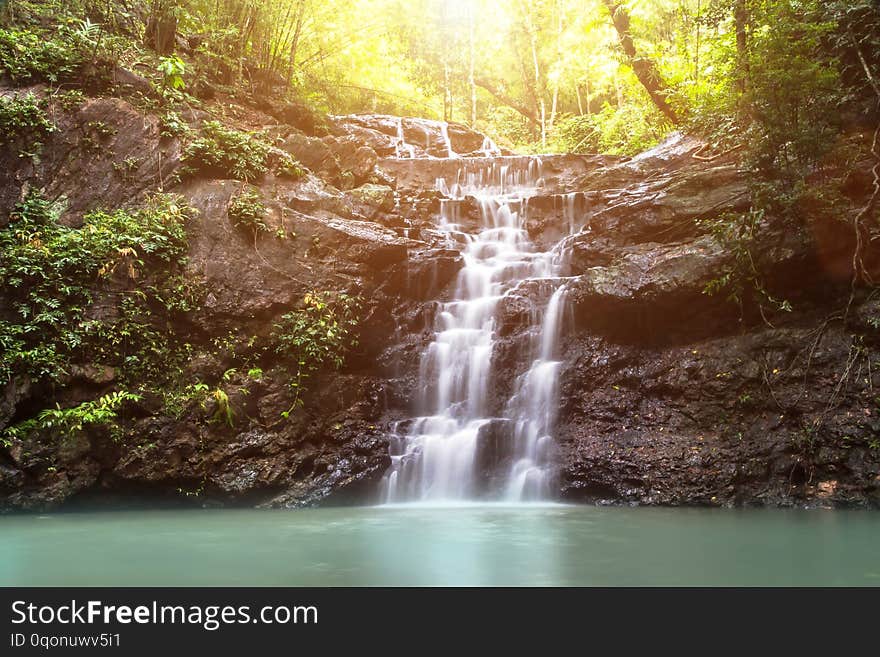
<point x="537" y="75"/>
<point x="568" y="75"/>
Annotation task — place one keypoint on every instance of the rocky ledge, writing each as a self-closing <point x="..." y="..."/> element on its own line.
<point x="668" y="395"/>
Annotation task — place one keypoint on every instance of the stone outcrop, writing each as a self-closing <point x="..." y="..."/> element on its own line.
<point x="668" y="395"/>
<point x="105" y="153"/>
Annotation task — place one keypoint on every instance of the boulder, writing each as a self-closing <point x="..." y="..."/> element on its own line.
<point x="312" y="152"/>
<point x="372" y="200"/>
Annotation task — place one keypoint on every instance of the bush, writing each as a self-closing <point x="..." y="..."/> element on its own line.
<point x="317" y="334"/>
<point x="27" y="56"/>
<point x="174" y="125"/>
<point x="69" y="422"/>
<point x="288" y="167"/>
<point x="23" y="116"/>
<point x="49" y="274"/>
<point x="575" y="134"/>
<point x="509" y="126"/>
<point x="247" y="211"/>
<point x="71" y="100"/>
<point x="629" y="129"/>
<point x="742" y="279"/>
<point x="229" y="152"/>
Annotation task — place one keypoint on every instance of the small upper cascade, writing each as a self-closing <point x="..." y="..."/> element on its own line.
<point x="444" y="132"/>
<point x="465" y="442"/>
<point x="514" y="177"/>
<point x="401" y="148"/>
<point x="489" y="148"/>
<point x="408" y="138"/>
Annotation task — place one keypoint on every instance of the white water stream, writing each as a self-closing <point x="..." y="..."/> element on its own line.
<point x="442" y="454"/>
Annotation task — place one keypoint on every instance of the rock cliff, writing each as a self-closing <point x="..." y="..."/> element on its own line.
<point x="669" y="395"/>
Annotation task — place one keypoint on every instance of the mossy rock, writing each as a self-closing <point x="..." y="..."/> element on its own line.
<point x="380" y="197"/>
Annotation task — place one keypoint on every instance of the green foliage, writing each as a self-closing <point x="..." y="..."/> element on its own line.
<point x="27" y="56"/>
<point x="173" y="125"/>
<point x="508" y="126"/>
<point x="172" y="69"/>
<point x="246" y="210"/>
<point x="23" y="116"/>
<point x="224" y="413"/>
<point x="779" y="97"/>
<point x="50" y="275"/>
<point x="317" y="334"/>
<point x="742" y="280"/>
<point x="224" y="151"/>
<point x="177" y="399"/>
<point x="575" y="133"/>
<point x="71" y="99"/>
<point x="69" y="422"/>
<point x="553" y="65"/>
<point x="216" y="54"/>
<point x="229" y="152"/>
<point x="288" y="167"/>
<point x="793" y="94"/>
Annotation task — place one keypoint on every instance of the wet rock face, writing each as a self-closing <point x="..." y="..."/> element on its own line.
<point x="249" y="277"/>
<point x="104" y="141"/>
<point x="726" y="421"/>
<point x="291" y="463"/>
<point x="318" y="238"/>
<point x="391" y="136"/>
<point x="667" y="394"/>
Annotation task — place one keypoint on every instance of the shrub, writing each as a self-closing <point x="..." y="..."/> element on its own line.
<point x="49" y="274"/>
<point x="172" y="69"/>
<point x="27" y="56"/>
<point x="174" y="125"/>
<point x="742" y="279"/>
<point x="246" y="210"/>
<point x="71" y="100"/>
<point x="23" y="116"/>
<point x="223" y="412"/>
<point x="317" y="334"/>
<point x="229" y="152"/>
<point x="68" y="422"/>
<point x="288" y="167"/>
<point x="575" y="134"/>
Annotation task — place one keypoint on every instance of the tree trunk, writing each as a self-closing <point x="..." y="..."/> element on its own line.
<point x="472" y="84"/>
<point x="533" y="39"/>
<point x="499" y="94"/>
<point x="294" y="44"/>
<point x="644" y="69"/>
<point x="447" y="96"/>
<point x="741" y="20"/>
<point x="589" y="97"/>
<point x="559" y="30"/>
<point x="697" y="47"/>
<point x="161" y="30"/>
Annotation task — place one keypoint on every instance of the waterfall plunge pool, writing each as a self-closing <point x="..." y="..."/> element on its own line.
<point x="468" y="545"/>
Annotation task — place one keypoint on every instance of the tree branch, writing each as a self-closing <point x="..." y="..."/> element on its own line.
<point x="644" y="68"/>
<point x="493" y="89"/>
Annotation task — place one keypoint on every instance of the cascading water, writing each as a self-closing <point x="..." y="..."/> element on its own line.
<point x="403" y="149"/>
<point x="440" y="455"/>
<point x="444" y="132"/>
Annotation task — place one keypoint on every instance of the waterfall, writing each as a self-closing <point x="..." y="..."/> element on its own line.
<point x="401" y="148"/>
<point x="444" y="132"/>
<point x="464" y="444"/>
<point x="489" y="148"/>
